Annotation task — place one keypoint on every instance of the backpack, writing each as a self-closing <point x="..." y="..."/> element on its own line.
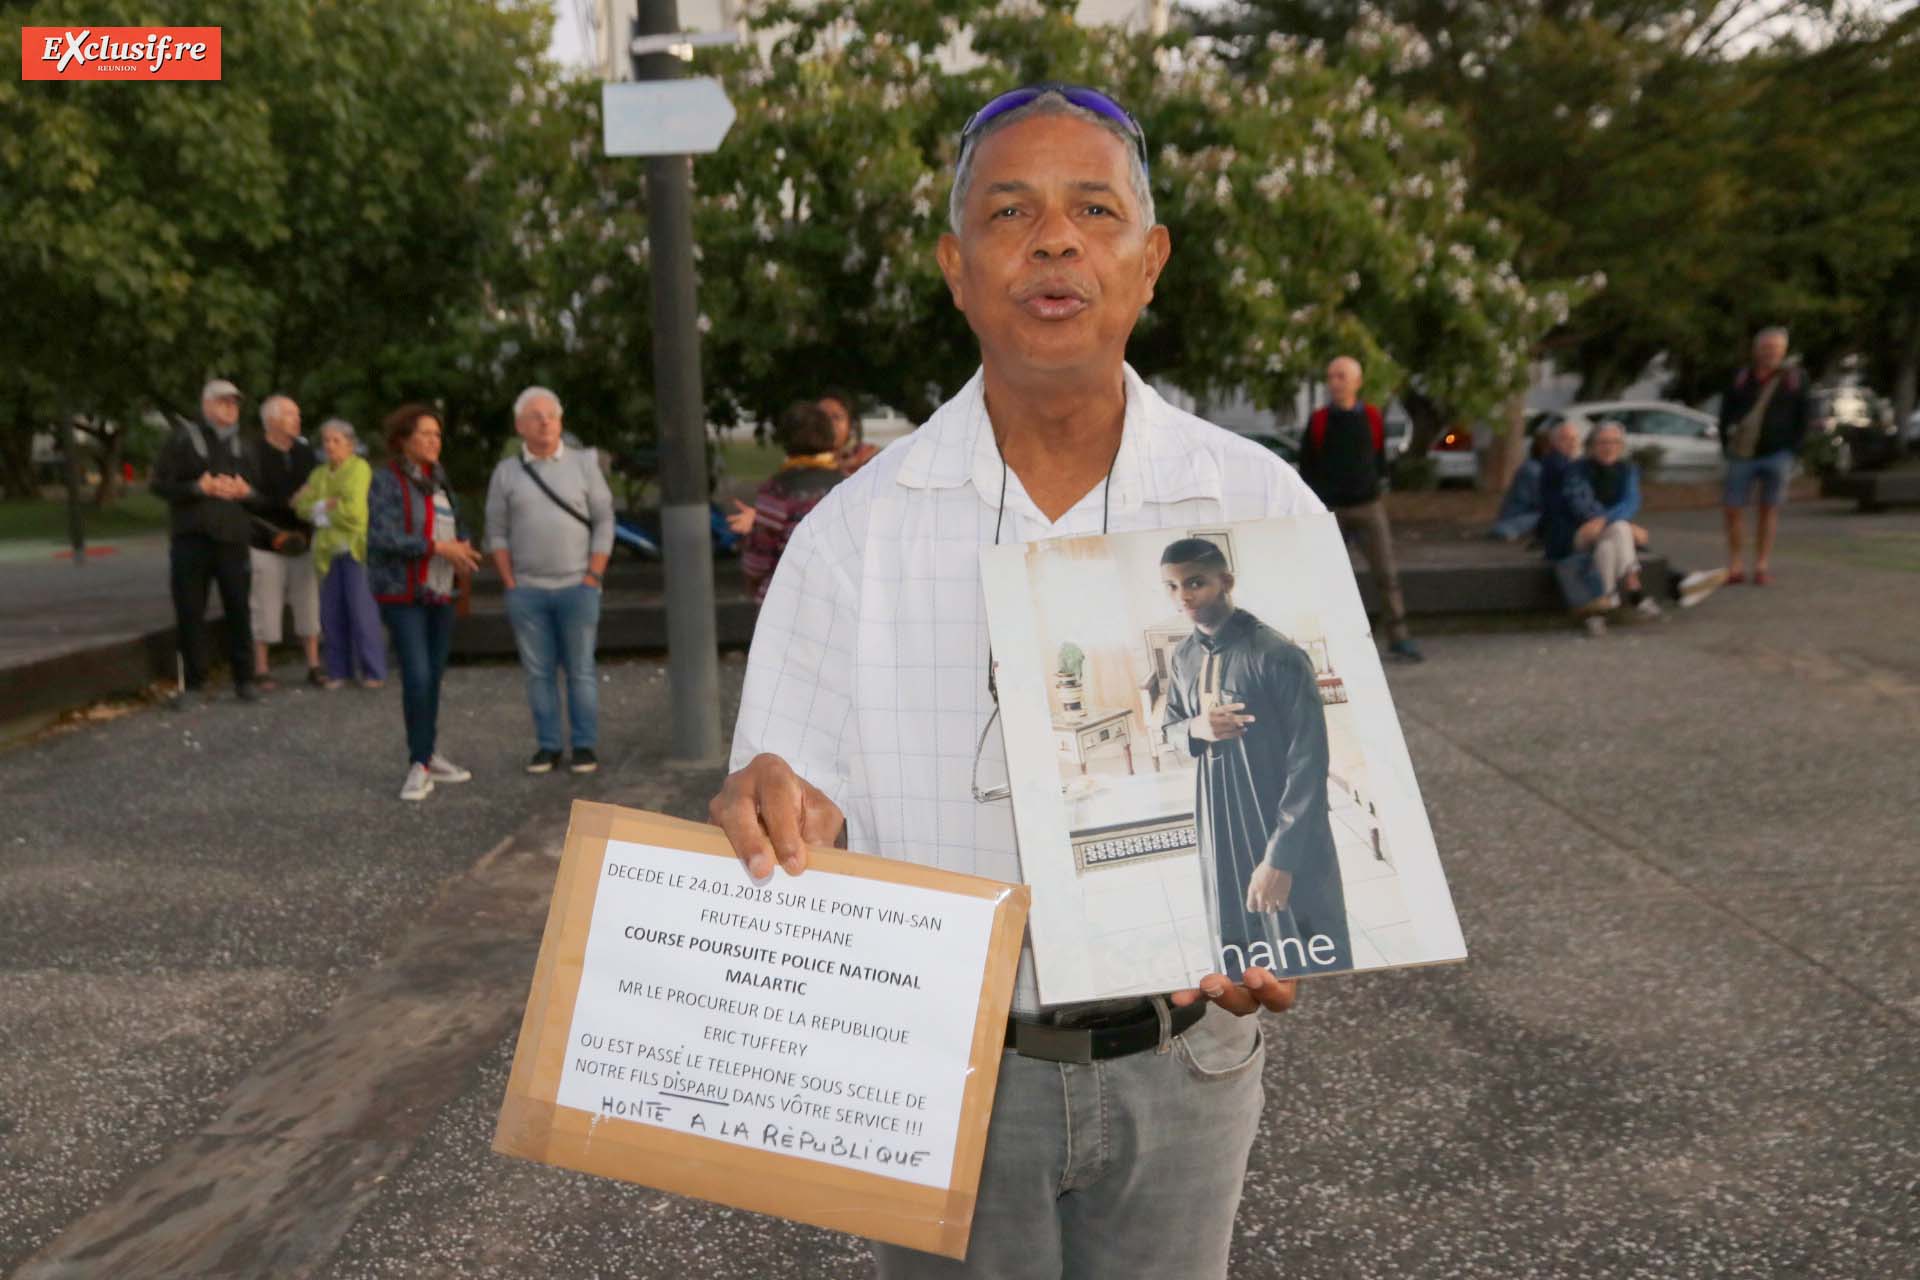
<point x="1317" y="428"/>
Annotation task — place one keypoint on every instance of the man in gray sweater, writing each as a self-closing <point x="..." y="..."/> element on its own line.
<point x="550" y="531"/>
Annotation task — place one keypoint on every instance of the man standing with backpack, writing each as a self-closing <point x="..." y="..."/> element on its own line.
<point x="1343" y="459"/>
<point x="205" y="475"/>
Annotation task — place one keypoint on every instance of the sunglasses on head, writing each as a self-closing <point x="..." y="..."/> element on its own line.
<point x="1079" y="95"/>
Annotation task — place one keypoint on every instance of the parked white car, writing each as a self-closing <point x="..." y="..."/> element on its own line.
<point x="1454" y="458"/>
<point x="1688" y="440"/>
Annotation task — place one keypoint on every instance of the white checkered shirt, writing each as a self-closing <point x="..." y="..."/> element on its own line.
<point x="868" y="672"/>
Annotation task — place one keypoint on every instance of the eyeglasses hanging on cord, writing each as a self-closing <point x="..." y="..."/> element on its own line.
<point x="991" y="795"/>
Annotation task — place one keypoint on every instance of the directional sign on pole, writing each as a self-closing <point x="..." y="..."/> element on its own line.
<point x="664" y="117"/>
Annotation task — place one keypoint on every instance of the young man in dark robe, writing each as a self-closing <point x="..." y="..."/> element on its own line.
<point x="1246" y="702"/>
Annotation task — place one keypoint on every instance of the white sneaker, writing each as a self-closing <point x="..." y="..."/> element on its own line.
<point x="441" y="769"/>
<point x="1596" y="627"/>
<point x="419" y="784"/>
<point x="1697" y="586"/>
<point x="1648" y="608"/>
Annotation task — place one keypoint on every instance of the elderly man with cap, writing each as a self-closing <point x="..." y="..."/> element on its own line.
<point x="206" y="476"/>
<point x="1120" y="1131"/>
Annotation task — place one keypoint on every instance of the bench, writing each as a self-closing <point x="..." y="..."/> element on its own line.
<point x="1874" y="490"/>
<point x="1486" y="577"/>
<point x="1469" y="577"/>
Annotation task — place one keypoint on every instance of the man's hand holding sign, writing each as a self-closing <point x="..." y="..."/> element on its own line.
<point x="771" y="813"/>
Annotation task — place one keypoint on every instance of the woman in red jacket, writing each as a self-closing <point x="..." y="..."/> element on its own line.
<point x="417" y="549"/>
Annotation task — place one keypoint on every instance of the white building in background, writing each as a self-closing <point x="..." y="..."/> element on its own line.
<point x="613" y="21"/>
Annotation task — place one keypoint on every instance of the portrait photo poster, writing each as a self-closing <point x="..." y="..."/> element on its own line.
<point x="1207" y="772"/>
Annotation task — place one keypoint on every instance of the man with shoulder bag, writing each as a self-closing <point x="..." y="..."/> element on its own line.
<point x="1763" y="422"/>
<point x="550" y="532"/>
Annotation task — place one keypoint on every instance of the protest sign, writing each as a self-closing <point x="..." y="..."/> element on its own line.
<point x="1206" y="768"/>
<point x="822" y="1047"/>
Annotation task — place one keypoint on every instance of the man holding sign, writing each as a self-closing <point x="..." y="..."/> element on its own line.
<point x="1120" y="1130"/>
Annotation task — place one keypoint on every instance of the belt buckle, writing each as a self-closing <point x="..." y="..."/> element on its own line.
<point x="1053" y="1044"/>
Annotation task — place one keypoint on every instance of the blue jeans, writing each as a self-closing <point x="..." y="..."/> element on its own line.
<point x="1519" y="525"/>
<point x="553" y="629"/>
<point x="1128" y="1167"/>
<point x="1767" y="473"/>
<point x="422" y="635"/>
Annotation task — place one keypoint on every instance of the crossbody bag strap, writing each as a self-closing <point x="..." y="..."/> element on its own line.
<point x="558" y="501"/>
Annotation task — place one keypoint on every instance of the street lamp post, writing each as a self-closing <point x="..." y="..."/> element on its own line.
<point x="693" y="668"/>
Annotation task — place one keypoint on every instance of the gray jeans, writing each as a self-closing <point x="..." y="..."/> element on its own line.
<point x="1128" y="1167"/>
<point x="1368" y="520"/>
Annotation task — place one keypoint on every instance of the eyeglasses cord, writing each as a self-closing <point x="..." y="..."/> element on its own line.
<point x="993" y="691"/>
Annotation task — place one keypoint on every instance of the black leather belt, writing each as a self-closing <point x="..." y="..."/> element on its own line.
<point x="1053" y="1043"/>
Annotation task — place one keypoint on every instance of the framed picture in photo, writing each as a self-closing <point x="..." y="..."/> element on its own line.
<point x="1208" y="772"/>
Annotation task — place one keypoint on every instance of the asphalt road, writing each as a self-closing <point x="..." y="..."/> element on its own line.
<point x="1687" y="1042"/>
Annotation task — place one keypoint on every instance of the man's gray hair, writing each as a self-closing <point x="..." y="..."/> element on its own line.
<point x="1771" y="331"/>
<point x="1048" y="104"/>
<point x="527" y="397"/>
<point x="1609" y="424"/>
<point x="276" y="404"/>
<point x="340" y="427"/>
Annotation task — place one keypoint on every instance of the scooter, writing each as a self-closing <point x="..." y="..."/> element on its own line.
<point x="639" y="533"/>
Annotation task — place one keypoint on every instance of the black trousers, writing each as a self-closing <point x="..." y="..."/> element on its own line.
<point x="199" y="562"/>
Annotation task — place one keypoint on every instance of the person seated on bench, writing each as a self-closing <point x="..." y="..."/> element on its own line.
<point x="1586" y="525"/>
<point x="1519" y="518"/>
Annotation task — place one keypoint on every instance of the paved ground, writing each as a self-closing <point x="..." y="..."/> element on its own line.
<point x="1687" y="1042"/>
<point x="54" y="605"/>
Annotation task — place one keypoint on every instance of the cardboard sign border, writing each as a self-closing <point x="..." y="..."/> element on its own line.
<point x="533" y="1126"/>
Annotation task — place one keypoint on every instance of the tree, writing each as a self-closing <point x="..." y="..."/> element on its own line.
<point x="1716" y="171"/>
<point x="1308" y="219"/>
<point x="316" y="222"/>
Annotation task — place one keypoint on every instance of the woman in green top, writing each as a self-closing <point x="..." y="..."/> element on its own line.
<point x="334" y="499"/>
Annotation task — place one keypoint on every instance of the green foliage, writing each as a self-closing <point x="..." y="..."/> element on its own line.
<point x="1716" y="178"/>
<point x="1415" y="473"/>
<point x="41" y="520"/>
<point x="391" y="202"/>
<point x="1308" y="217"/>
<point x="314" y="222"/>
<point x="1824" y="453"/>
<point x="1648" y="458"/>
